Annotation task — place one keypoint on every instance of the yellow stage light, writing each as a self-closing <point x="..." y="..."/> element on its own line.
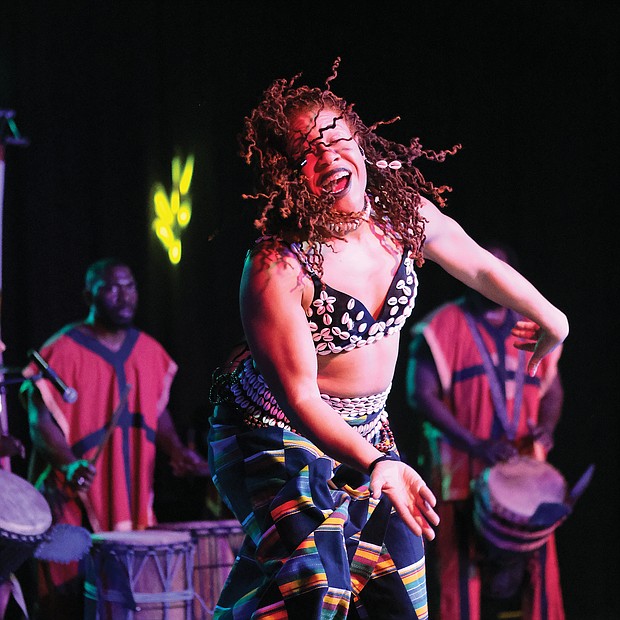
<point x="173" y="213"/>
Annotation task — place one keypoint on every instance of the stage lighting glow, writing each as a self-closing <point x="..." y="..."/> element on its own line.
<point x="174" y="253"/>
<point x="172" y="213"/>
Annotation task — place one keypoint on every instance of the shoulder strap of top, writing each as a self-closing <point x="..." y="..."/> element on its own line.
<point x="303" y="260"/>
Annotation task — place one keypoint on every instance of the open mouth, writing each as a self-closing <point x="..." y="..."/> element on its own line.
<point x="337" y="182"/>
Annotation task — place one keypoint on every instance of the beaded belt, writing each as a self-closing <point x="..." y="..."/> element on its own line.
<point x="366" y="414"/>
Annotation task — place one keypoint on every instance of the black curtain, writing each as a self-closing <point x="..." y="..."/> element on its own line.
<point x="109" y="92"/>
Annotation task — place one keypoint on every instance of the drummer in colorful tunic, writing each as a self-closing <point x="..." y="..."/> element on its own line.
<point x="103" y="482"/>
<point x="468" y="382"/>
<point x="300" y="440"/>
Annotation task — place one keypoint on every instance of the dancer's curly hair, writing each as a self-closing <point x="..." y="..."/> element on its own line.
<point x="290" y="211"/>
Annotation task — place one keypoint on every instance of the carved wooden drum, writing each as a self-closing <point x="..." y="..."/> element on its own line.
<point x="25" y="518"/>
<point x="217" y="545"/>
<point x="140" y="575"/>
<point x="519" y="503"/>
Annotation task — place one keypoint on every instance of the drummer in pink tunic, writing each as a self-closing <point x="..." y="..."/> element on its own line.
<point x="482" y="407"/>
<point x="104" y="483"/>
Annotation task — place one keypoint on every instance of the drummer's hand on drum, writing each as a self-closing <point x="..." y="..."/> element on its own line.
<point x="493" y="451"/>
<point x="542" y="436"/>
<point x="79" y="474"/>
<point x="186" y="462"/>
<point x="542" y="442"/>
<point x="11" y="446"/>
<point x="410" y="496"/>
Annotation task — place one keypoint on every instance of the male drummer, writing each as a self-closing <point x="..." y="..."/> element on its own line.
<point x="468" y="381"/>
<point x="93" y="477"/>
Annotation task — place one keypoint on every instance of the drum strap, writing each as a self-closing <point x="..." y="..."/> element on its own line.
<point x="497" y="393"/>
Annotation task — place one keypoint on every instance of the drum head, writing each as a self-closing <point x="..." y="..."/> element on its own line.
<point x="222" y="526"/>
<point x="142" y="538"/>
<point x="23" y="510"/>
<point x="521" y="485"/>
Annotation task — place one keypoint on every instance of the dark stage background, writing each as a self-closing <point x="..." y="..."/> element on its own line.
<point x="107" y="93"/>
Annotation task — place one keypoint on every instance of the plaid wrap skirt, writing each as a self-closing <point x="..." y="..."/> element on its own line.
<point x="317" y="545"/>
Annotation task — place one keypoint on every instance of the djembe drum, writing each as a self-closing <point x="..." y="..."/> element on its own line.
<point x="25" y="518"/>
<point x="140" y="575"/>
<point x="517" y="506"/>
<point x="519" y="503"/>
<point x="217" y="545"/>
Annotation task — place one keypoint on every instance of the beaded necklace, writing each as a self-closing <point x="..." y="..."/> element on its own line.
<point x="345" y="223"/>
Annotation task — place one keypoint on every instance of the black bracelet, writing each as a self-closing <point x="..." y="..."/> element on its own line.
<point x="388" y="456"/>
